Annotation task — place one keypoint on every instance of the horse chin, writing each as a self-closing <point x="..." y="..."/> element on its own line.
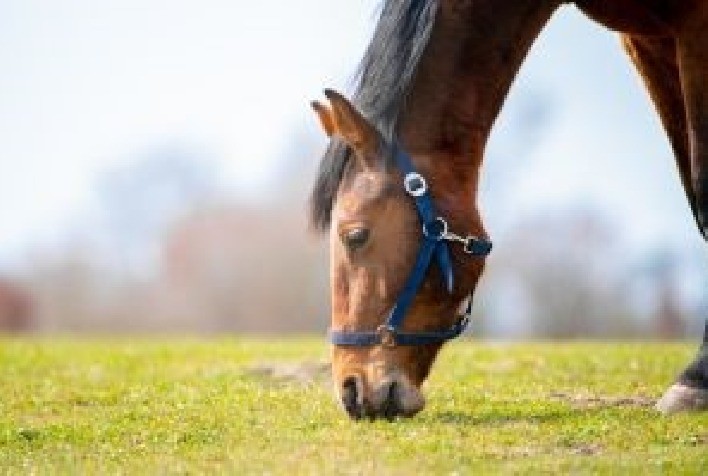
<point x="380" y="387"/>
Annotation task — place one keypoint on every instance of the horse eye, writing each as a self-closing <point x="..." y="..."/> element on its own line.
<point x="356" y="238"/>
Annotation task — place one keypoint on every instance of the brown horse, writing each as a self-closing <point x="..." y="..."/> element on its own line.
<point x="432" y="83"/>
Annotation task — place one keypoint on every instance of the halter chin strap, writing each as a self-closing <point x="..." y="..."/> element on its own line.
<point x="435" y="245"/>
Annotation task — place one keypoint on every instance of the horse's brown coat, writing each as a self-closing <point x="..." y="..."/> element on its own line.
<point x="474" y="52"/>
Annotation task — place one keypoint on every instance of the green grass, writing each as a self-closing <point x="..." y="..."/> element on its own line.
<point x="190" y="406"/>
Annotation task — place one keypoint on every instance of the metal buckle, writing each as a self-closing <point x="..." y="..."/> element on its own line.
<point x="441" y="234"/>
<point x="387" y="334"/>
<point x="415" y="184"/>
<point x="464" y="322"/>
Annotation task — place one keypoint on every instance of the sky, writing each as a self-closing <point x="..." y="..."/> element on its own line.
<point x="87" y="85"/>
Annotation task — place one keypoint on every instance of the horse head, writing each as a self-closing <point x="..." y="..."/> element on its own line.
<point x="397" y="284"/>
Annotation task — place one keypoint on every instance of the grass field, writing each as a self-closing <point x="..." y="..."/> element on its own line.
<point x="249" y="406"/>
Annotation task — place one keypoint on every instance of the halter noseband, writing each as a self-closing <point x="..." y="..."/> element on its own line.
<point x="436" y="236"/>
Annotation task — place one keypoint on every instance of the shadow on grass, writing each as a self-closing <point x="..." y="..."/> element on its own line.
<point x="303" y="373"/>
<point x="502" y="417"/>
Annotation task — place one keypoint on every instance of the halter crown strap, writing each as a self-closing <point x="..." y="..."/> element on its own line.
<point x="417" y="188"/>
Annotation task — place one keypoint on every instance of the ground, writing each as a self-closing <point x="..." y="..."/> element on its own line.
<point x="141" y="406"/>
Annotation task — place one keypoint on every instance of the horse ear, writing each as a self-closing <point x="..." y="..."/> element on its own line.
<point x="325" y="115"/>
<point x="351" y="126"/>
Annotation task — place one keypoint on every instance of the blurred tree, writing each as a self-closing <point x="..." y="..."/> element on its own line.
<point x="141" y="199"/>
<point x="16" y="307"/>
<point x="668" y="318"/>
<point x="235" y="268"/>
<point x="567" y="274"/>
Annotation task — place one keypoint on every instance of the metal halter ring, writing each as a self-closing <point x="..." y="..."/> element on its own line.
<point x="387" y="334"/>
<point x="415" y="184"/>
<point x="436" y="235"/>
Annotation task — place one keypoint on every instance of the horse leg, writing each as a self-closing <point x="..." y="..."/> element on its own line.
<point x="656" y="62"/>
<point x="691" y="390"/>
<point x="693" y="64"/>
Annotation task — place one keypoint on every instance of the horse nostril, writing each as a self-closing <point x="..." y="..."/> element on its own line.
<point x="391" y="407"/>
<point x="351" y="399"/>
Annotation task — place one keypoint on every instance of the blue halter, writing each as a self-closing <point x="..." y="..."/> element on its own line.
<point x="436" y="236"/>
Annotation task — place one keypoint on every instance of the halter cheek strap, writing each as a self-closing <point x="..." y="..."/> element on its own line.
<point x="434" y="246"/>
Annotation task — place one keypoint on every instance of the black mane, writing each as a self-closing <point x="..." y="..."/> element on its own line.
<point x="384" y="78"/>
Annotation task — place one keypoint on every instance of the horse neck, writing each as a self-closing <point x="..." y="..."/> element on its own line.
<point x="475" y="50"/>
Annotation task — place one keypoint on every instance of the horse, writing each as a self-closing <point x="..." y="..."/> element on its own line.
<point x="397" y="187"/>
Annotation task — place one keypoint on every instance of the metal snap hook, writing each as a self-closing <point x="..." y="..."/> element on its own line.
<point x="468" y="246"/>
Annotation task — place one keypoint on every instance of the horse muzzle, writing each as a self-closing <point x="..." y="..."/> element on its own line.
<point x="388" y="397"/>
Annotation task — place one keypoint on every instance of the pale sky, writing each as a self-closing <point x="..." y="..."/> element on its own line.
<point x="87" y="84"/>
